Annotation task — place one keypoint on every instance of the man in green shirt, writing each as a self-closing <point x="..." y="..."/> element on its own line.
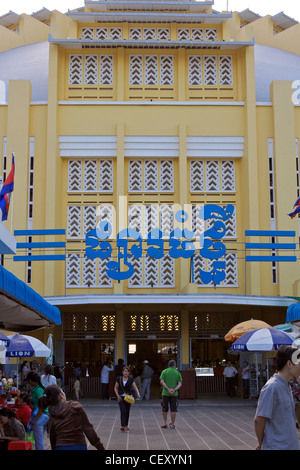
<point x="171" y="380"/>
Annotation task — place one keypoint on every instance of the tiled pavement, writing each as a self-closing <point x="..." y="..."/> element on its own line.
<point x="209" y="423"/>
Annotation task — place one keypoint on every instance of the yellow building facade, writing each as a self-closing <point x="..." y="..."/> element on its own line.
<point x="140" y="115"/>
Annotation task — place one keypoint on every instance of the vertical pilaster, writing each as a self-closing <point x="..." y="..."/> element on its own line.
<point x="120" y="334"/>
<point x="185" y="341"/>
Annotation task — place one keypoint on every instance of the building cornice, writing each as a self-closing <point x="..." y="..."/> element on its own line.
<point x="148" y="17"/>
<point x="146" y="44"/>
<point x="182" y="5"/>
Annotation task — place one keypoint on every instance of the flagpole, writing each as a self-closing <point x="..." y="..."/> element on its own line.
<point x="12" y="203"/>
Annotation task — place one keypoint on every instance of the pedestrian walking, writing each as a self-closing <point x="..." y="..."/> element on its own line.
<point x="147" y="375"/>
<point x="275" y="420"/>
<point x="171" y="381"/>
<point x="39" y="417"/>
<point x="68" y="422"/>
<point x="76" y="388"/>
<point x="123" y="386"/>
<point x="246" y="380"/>
<point x="106" y="369"/>
<point x="48" y="378"/>
<point x="229" y="373"/>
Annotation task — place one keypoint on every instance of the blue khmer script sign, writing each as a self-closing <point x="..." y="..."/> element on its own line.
<point x="129" y="244"/>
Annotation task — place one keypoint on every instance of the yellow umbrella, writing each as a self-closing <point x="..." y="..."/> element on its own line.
<point x="242" y="328"/>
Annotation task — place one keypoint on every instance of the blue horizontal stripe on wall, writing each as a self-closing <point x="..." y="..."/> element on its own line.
<point x="19" y="233"/>
<point x="271" y="258"/>
<point x="40" y="258"/>
<point x="42" y="245"/>
<point x="271" y="246"/>
<point x="269" y="233"/>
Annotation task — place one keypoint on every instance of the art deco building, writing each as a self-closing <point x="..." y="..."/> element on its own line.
<point x="151" y="116"/>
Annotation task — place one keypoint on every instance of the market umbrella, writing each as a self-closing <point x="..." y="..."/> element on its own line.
<point x="4" y="340"/>
<point x="26" y="346"/>
<point x="241" y="328"/>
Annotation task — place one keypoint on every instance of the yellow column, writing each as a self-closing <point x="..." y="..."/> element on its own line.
<point x="120" y="335"/>
<point x="284" y="171"/>
<point x="185" y="340"/>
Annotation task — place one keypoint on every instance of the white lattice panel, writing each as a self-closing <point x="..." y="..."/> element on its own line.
<point x="73" y="270"/>
<point x="183" y="34"/>
<point x="230" y="224"/>
<point x="90" y="175"/>
<point x="136" y="280"/>
<point x="149" y="34"/>
<point x="106" y="69"/>
<point x="135" y="33"/>
<point x="101" y="33"/>
<point x="166" y="70"/>
<point x="231" y="279"/>
<point x="225" y="70"/>
<point x="91" y="70"/>
<point x="197" y="176"/>
<point x="135" y="175"/>
<point x="106" y="176"/>
<point x="163" y="34"/>
<point x="228" y="175"/>
<point x="151" y="218"/>
<point x="136" y="70"/>
<point x="212" y="175"/>
<point x="198" y="225"/>
<point x="74" y="222"/>
<point x="231" y="270"/>
<point x="197" y="34"/>
<point x="105" y="212"/>
<point x="151" y="70"/>
<point x="167" y="271"/>
<point x="135" y="217"/>
<point x="166" y="175"/>
<point x="210" y="70"/>
<point x="74" y="175"/>
<point x="166" y="213"/>
<point x="151" y="271"/>
<point x="115" y="33"/>
<point x="89" y="218"/>
<point x="151" y="175"/>
<point x="87" y="33"/>
<point x="211" y="34"/>
<point x="75" y="69"/>
<point x="195" y="70"/>
<point x="89" y="272"/>
<point x="103" y="279"/>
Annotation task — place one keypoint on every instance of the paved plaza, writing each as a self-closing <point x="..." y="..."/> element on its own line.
<point x="208" y="423"/>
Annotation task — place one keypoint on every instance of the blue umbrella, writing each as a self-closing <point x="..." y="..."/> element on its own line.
<point x="263" y="339"/>
<point x="4" y="340"/>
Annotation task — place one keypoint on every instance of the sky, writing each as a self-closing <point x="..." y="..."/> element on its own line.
<point x="262" y="7"/>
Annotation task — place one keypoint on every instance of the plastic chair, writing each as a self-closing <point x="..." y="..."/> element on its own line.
<point x="19" y="445"/>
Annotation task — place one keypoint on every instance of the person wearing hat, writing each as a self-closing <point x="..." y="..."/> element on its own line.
<point x="147" y="375"/>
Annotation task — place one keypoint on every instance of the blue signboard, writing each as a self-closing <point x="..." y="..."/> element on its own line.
<point x="129" y="244"/>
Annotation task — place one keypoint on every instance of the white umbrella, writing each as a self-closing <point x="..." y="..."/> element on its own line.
<point x="26" y="346"/>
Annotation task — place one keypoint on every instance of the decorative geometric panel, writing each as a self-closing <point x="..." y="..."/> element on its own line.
<point x="151" y="271"/>
<point x="136" y="280"/>
<point x="225" y="70"/>
<point x="87" y="33"/>
<point x="73" y="269"/>
<point x="197" y="175"/>
<point x="163" y="34"/>
<point x="135" y="33"/>
<point x="106" y="69"/>
<point x="212" y="175"/>
<point x="211" y="34"/>
<point x="197" y="34"/>
<point x="105" y="212"/>
<point x="90" y="175"/>
<point x="228" y="175"/>
<point x="74" y="222"/>
<point x="135" y="217"/>
<point x="195" y="70"/>
<point x="167" y="271"/>
<point x="75" y="69"/>
<point x="151" y="218"/>
<point x="166" y="175"/>
<point x="91" y="70"/>
<point x="104" y="280"/>
<point x="149" y="34"/>
<point x="166" y="70"/>
<point x="198" y="224"/>
<point x="151" y="175"/>
<point x="231" y="279"/>
<point x="210" y="70"/>
<point x="230" y="224"/>
<point x="135" y="175"/>
<point x="136" y="70"/>
<point x="74" y="175"/>
<point x="106" y="175"/>
<point x="231" y="270"/>
<point x="89" y="218"/>
<point x="115" y="33"/>
<point x="151" y="70"/>
<point x="183" y="34"/>
<point x="101" y="33"/>
<point x="89" y="272"/>
<point x="166" y="214"/>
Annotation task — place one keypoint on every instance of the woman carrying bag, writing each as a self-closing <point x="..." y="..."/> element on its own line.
<point x="123" y="387"/>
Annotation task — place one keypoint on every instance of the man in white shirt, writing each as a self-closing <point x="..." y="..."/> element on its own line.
<point x="229" y="374"/>
<point x="105" y="379"/>
<point x="246" y="379"/>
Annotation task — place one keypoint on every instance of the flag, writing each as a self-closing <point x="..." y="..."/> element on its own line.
<point x="7" y="189"/>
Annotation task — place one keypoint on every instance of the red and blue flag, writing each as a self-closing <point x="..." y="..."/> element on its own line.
<point x="6" y="191"/>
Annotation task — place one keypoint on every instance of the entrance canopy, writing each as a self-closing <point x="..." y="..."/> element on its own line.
<point x="21" y="308"/>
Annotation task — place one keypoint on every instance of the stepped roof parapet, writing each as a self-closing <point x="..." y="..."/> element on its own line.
<point x="176" y="5"/>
